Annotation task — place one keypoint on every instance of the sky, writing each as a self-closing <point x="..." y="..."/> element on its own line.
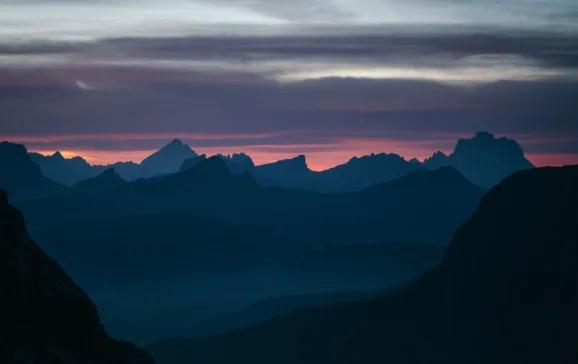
<point x="117" y="79"/>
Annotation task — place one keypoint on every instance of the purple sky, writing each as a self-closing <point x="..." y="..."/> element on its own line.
<point x="117" y="79"/>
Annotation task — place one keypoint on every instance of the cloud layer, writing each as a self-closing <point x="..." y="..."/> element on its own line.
<point x="331" y="78"/>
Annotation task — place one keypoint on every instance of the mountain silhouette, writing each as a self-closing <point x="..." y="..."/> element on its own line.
<point x="191" y="162"/>
<point x="129" y="171"/>
<point x="63" y="170"/>
<point x="168" y="159"/>
<point x="21" y="176"/>
<point x="437" y="160"/>
<point x="505" y="292"/>
<point x="362" y="172"/>
<point x="289" y="173"/>
<point x="427" y="210"/>
<point x="238" y="163"/>
<point x="485" y="160"/>
<point x="107" y="180"/>
<point x="69" y="171"/>
<point x="213" y="170"/>
<point x="354" y="175"/>
<point x="46" y="317"/>
<point x="443" y="177"/>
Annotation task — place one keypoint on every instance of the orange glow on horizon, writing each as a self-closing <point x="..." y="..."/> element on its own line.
<point x="100" y="157"/>
<point x="320" y="156"/>
<point x="316" y="161"/>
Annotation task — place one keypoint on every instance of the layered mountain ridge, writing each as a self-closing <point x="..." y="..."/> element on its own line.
<point x="505" y="292"/>
<point x="483" y="159"/>
<point x="427" y="210"/>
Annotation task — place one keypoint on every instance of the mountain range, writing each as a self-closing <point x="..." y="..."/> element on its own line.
<point x="422" y="206"/>
<point x="207" y="225"/>
<point x="505" y="292"/>
<point x="68" y="172"/>
<point x="220" y="239"/>
<point x="167" y="242"/>
<point x="107" y="180"/>
<point x="483" y="159"/>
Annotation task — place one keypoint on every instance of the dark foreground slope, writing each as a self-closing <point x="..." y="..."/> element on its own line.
<point x="505" y="292"/>
<point x="44" y="316"/>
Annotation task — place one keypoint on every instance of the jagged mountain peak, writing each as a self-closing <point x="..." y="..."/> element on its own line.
<point x="175" y="146"/>
<point x="107" y="180"/>
<point x="213" y="164"/>
<point x="236" y="157"/>
<point x="8" y="147"/>
<point x="57" y="155"/>
<point x="300" y="160"/>
<point x="483" y="159"/>
<point x="168" y="159"/>
<point x="438" y="159"/>
<point x="484" y="135"/>
<point x="439" y="153"/>
<point x="191" y="162"/>
<point x="210" y="169"/>
<point x="238" y="163"/>
<point x="486" y="160"/>
<point x="377" y="157"/>
<point x="488" y="140"/>
<point x="110" y="172"/>
<point x="285" y="166"/>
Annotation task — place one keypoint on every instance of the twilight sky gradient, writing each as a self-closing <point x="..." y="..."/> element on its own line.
<point x="116" y="79"/>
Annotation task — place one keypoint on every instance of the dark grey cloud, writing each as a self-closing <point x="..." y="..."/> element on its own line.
<point x="312" y="112"/>
<point x="223" y="87"/>
<point x="551" y="49"/>
<point x="442" y="50"/>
